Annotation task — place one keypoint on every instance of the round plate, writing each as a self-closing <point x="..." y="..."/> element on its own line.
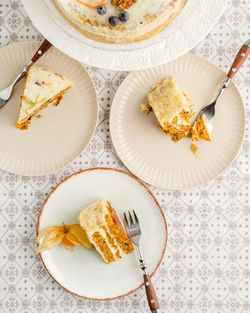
<point x="83" y="272"/>
<point x="153" y="156"/>
<point x="184" y="33"/>
<point x="62" y="133"/>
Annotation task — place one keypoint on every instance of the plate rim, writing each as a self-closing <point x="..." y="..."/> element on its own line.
<point x="56" y="169"/>
<point x="112" y="119"/>
<point x="123" y="66"/>
<point x="150" y="193"/>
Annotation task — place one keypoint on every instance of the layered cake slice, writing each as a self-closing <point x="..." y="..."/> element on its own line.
<point x="201" y="129"/>
<point x="42" y="87"/>
<point x="104" y="231"/>
<point x="172" y="108"/>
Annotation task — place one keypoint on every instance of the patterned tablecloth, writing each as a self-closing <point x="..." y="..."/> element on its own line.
<point x="206" y="266"/>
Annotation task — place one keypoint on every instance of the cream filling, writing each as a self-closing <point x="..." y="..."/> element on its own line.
<point x="180" y="121"/>
<point x="208" y="125"/>
<point x="103" y="234"/>
<point x="145" y="16"/>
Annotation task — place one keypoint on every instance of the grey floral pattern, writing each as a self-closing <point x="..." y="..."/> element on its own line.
<point x="206" y="266"/>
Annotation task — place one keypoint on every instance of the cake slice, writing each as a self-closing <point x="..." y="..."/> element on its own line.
<point x="172" y="108"/>
<point x="202" y="129"/>
<point x="104" y="231"/>
<point x="42" y="87"/>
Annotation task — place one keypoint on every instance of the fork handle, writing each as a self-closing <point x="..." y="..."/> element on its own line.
<point x="239" y="59"/>
<point x="151" y="295"/>
<point x="41" y="50"/>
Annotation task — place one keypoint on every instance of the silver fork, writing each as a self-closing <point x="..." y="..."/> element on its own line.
<point x="209" y="110"/>
<point x="133" y="230"/>
<point x="6" y="93"/>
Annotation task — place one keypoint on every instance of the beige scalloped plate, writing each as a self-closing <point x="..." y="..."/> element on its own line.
<point x="62" y="133"/>
<point x="150" y="154"/>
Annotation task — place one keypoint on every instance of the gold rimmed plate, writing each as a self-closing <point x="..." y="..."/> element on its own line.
<point x="83" y="272"/>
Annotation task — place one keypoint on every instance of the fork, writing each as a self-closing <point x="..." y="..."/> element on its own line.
<point x="133" y="230"/>
<point x="209" y="110"/>
<point x="6" y="93"/>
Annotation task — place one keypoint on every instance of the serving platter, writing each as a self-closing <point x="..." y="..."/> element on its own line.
<point x="184" y="33"/>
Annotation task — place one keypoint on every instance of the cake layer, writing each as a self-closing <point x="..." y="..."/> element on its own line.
<point x="202" y="129"/>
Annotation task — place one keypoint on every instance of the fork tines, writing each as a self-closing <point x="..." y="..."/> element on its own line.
<point x="129" y="220"/>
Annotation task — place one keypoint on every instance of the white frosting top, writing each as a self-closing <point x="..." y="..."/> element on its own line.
<point x="144" y="16"/>
<point x="93" y="216"/>
<point x="41" y="85"/>
<point x="167" y="101"/>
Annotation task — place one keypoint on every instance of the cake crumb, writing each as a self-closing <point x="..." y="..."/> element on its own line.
<point x="195" y="149"/>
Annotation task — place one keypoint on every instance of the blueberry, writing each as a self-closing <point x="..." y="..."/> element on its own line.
<point x="113" y="21"/>
<point x="101" y="9"/>
<point x="124" y="16"/>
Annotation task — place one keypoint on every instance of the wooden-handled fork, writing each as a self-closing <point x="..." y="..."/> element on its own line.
<point x="209" y="110"/>
<point x="133" y="230"/>
<point x="6" y="93"/>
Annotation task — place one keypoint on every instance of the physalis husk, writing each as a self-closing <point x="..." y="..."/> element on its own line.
<point x="68" y="235"/>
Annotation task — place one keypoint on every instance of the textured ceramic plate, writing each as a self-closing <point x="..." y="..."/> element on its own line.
<point x="83" y="272"/>
<point x="62" y="133"/>
<point x="184" y="33"/>
<point x="153" y="156"/>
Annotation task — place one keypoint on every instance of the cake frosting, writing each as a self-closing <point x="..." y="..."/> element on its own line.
<point x="144" y="17"/>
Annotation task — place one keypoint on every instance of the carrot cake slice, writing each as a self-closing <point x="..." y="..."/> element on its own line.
<point x="202" y="129"/>
<point x="42" y="87"/>
<point x="104" y="231"/>
<point x="172" y="108"/>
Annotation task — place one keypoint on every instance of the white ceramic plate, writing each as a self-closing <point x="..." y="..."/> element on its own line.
<point x="83" y="272"/>
<point x="153" y="156"/>
<point x="62" y="133"/>
<point x="184" y="33"/>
